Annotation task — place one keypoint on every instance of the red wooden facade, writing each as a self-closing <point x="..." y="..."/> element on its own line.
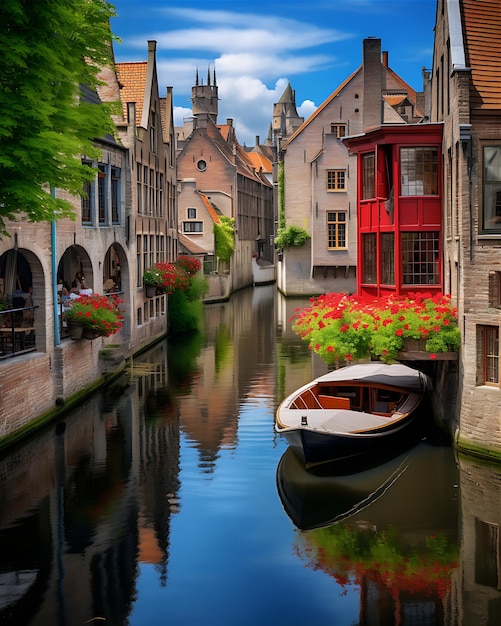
<point x="399" y="209"/>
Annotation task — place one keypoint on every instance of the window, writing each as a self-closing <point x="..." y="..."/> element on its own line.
<point x="336" y="180"/>
<point x="139" y="264"/>
<point x="368" y="173"/>
<point x="202" y="165"/>
<point x="420" y="258"/>
<point x="115" y="195"/>
<point x="369" y="258"/>
<point x="388" y="258"/>
<point x="339" y="130"/>
<point x="491" y="215"/>
<point x="87" y="199"/>
<point x="101" y="192"/>
<point x="193" y="227"/>
<point x="139" y="169"/>
<point x="192" y="214"/>
<point x="495" y="290"/>
<point x="488" y="355"/>
<point x="419" y="171"/>
<point x="336" y="229"/>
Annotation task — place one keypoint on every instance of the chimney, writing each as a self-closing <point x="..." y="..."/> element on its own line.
<point x="257" y="140"/>
<point x="373" y="70"/>
<point x="385" y="58"/>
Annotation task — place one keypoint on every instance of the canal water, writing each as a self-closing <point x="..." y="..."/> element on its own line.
<point x="169" y="500"/>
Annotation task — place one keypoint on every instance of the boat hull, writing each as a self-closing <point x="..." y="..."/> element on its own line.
<point x="317" y="448"/>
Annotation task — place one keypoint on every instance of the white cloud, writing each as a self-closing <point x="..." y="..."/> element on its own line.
<point x="251" y="53"/>
<point x="306" y="108"/>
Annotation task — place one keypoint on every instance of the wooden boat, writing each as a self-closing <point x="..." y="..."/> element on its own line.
<point x="351" y="412"/>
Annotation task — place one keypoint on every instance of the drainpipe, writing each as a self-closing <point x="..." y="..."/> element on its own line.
<point x="57" y="336"/>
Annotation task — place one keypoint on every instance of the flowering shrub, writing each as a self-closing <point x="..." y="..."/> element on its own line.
<point x="189" y="264"/>
<point x="166" y="277"/>
<point x="342" y="327"/>
<point x="97" y="313"/>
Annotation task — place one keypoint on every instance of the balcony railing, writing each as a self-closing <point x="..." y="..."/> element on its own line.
<point x="17" y="331"/>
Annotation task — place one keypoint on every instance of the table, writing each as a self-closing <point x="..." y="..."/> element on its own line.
<point x="18" y="333"/>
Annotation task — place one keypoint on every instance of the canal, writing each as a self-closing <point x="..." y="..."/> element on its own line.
<point x="168" y="499"/>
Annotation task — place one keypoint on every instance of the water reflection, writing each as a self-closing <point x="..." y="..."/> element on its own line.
<point x="156" y="502"/>
<point x="389" y="531"/>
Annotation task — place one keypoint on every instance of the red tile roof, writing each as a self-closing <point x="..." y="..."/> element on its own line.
<point x="482" y="42"/>
<point x="132" y="79"/>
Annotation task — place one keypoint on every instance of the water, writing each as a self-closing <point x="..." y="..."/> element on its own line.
<point x="169" y="499"/>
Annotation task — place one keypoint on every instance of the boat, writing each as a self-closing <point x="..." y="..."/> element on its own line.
<point x="351" y="412"/>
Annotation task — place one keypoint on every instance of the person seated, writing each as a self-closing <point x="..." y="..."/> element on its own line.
<point x="84" y="290"/>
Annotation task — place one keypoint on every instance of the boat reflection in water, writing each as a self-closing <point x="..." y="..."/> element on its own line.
<point x="389" y="532"/>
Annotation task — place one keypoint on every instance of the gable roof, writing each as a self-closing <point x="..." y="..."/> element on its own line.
<point x="482" y="38"/>
<point x="259" y="161"/>
<point x="324" y="104"/>
<point x="132" y="79"/>
<point x="410" y="94"/>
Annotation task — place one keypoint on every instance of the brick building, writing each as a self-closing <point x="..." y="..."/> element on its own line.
<point x="217" y="177"/>
<point x="125" y="221"/>
<point x="466" y="99"/>
<point x="320" y="176"/>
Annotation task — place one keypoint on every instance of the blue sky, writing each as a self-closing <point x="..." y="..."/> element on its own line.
<point x="257" y="47"/>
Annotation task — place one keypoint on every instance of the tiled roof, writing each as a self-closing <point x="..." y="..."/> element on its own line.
<point x="260" y="161"/>
<point x="210" y="209"/>
<point x="482" y="41"/>
<point x="132" y="79"/>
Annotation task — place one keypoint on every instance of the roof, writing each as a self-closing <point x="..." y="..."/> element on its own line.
<point x="210" y="209"/>
<point x="260" y="161"/>
<point x="132" y="79"/>
<point x="410" y="95"/>
<point x="189" y="245"/>
<point x="482" y="36"/>
<point x="324" y="104"/>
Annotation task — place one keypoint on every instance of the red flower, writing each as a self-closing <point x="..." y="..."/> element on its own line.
<point x="399" y="332"/>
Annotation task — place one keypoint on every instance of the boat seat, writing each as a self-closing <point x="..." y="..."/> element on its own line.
<point x="333" y="402"/>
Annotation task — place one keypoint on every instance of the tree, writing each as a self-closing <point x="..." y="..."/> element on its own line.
<point x="50" y="50"/>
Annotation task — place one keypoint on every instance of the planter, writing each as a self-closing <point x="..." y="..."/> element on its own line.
<point x="90" y="333"/>
<point x="151" y="291"/>
<point x="76" y="330"/>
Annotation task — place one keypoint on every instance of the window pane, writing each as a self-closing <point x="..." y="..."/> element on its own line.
<point x="419" y="171"/>
<point x="193" y="227"/>
<point x="101" y="193"/>
<point x="368" y="188"/>
<point x="388" y="258"/>
<point x="492" y="188"/>
<point x="369" y="258"/>
<point x="420" y="258"/>
<point x="336" y="229"/>
<point x="491" y="354"/>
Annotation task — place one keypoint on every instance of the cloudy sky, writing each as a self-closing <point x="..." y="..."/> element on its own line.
<point x="259" y="46"/>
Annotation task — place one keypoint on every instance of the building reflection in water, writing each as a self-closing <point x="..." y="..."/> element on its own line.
<point x="390" y="531"/>
<point x="88" y="505"/>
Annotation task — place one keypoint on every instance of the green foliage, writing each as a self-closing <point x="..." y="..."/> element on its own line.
<point x="291" y="237"/>
<point x="224" y="239"/>
<point x="50" y="48"/>
<point x="185" y="304"/>
<point x="339" y="327"/>
<point x="185" y="315"/>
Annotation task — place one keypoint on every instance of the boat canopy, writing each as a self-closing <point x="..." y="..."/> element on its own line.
<point x="394" y="375"/>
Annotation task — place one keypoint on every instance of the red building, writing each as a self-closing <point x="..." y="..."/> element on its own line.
<point x="399" y="209"/>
